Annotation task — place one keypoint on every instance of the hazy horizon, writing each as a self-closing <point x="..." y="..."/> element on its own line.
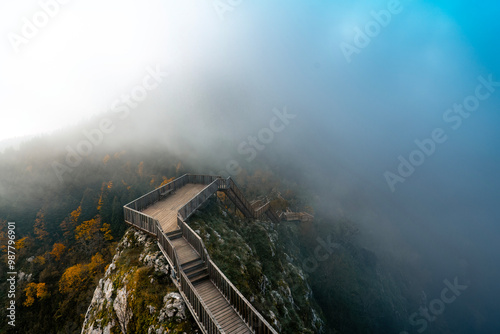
<point x="396" y="125"/>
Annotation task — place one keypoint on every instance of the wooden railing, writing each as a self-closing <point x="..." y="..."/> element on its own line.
<point x="155" y="195"/>
<point x="187" y="210"/>
<point x="242" y="306"/>
<point x="205" y="317"/>
<point x="194" y="239"/>
<point x="141" y="220"/>
<point x="246" y="207"/>
<point x="169" y="249"/>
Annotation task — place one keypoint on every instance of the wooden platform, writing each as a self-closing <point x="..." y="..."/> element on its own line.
<point x="166" y="210"/>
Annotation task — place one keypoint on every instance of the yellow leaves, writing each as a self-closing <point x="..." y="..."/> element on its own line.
<point x="106" y="229"/>
<point x="165" y="181"/>
<point x="110" y="184"/>
<point x="74" y="277"/>
<point x="106" y="159"/>
<point x="87" y="229"/>
<point x="57" y="251"/>
<point x="21" y="243"/>
<point x="178" y="167"/>
<point x="99" y="205"/>
<point x="32" y="290"/>
<point x="92" y="234"/>
<point x="41" y="291"/>
<point x="96" y="263"/>
<point x="30" y="294"/>
<point x="75" y="214"/>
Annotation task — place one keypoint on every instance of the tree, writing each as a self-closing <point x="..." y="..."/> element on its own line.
<point x="39" y="226"/>
<point x="68" y="225"/>
<point x="32" y="290"/>
<point x="57" y="251"/>
<point x="91" y="234"/>
<point x="72" y="279"/>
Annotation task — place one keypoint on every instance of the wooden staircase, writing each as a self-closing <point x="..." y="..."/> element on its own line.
<point x="216" y="304"/>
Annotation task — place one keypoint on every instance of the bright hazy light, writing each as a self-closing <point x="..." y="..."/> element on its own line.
<point x="87" y="54"/>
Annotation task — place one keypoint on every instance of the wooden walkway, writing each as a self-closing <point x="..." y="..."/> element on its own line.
<point x="216" y="304"/>
<point x="196" y="270"/>
<point x="165" y="211"/>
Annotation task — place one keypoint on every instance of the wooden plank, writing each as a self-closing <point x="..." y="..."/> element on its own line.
<point x="165" y="210"/>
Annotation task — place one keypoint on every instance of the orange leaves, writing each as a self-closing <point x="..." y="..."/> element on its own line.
<point x="57" y="251"/>
<point x="75" y="214"/>
<point x="91" y="234"/>
<point x="21" y="243"/>
<point x="87" y="229"/>
<point x="32" y="290"/>
<point x="96" y="263"/>
<point x="106" y="230"/>
<point x="165" y="181"/>
<point x="74" y="278"/>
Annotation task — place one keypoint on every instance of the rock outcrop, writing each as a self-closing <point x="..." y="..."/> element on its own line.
<point x="136" y="295"/>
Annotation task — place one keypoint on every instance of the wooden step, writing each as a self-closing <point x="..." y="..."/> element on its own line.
<point x="193" y="265"/>
<point x="199" y="278"/>
<point x="174" y="234"/>
<point x="197" y="272"/>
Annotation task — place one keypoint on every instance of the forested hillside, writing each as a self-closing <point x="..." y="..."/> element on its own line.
<point x="67" y="232"/>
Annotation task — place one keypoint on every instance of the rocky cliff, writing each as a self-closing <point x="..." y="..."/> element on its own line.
<point x="136" y="294"/>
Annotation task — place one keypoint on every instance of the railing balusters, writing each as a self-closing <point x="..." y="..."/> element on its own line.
<point x="134" y="217"/>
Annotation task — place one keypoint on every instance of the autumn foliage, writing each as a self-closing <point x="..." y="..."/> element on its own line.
<point x="32" y="290"/>
<point x="57" y="251"/>
<point x="76" y="277"/>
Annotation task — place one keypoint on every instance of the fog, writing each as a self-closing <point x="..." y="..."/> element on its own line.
<point x="350" y="117"/>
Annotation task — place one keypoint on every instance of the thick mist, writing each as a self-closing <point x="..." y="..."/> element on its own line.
<point x="344" y="107"/>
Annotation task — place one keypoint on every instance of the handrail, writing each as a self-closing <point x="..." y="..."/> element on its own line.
<point x="240" y="304"/>
<point x="140" y="219"/>
<point x="247" y="208"/>
<point x="155" y="195"/>
<point x="250" y="315"/>
<point x="201" y="309"/>
<point x="187" y="209"/>
<point x="194" y="239"/>
<point x="169" y="248"/>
